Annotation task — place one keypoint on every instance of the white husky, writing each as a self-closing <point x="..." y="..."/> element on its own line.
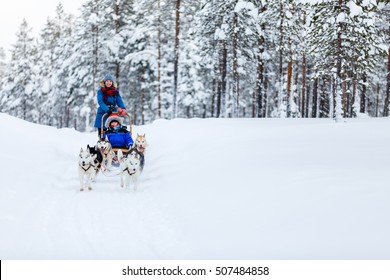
<point x="130" y="167"/>
<point x="86" y="168"/>
<point x="108" y="154"/>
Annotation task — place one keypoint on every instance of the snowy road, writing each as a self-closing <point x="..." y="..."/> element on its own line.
<point x="211" y="189"/>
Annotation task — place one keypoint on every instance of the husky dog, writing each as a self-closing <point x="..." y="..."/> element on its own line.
<point x="99" y="158"/>
<point x="135" y="152"/>
<point x="86" y="168"/>
<point x="105" y="148"/>
<point x="140" y="143"/>
<point x="130" y="169"/>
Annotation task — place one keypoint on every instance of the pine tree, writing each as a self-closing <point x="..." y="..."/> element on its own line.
<point x="192" y="101"/>
<point x="18" y="94"/>
<point x="83" y="64"/>
<point x="286" y="32"/>
<point x="235" y="58"/>
<point x="231" y="32"/>
<point x="213" y="50"/>
<point x="344" y="38"/>
<point x="2" y="63"/>
<point x="52" y="81"/>
<point x="384" y="12"/>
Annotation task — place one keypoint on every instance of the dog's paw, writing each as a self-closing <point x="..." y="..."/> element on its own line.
<point x="81" y="189"/>
<point x="90" y="188"/>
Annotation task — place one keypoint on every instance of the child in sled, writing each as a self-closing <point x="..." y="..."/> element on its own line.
<point x="117" y="134"/>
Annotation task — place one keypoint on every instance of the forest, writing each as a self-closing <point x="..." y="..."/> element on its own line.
<point x="203" y="59"/>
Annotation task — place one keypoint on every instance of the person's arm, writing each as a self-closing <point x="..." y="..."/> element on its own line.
<point x="101" y="102"/>
<point x="119" y="102"/>
<point x="129" y="140"/>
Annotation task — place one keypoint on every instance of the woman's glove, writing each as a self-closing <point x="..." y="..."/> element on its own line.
<point x="122" y="112"/>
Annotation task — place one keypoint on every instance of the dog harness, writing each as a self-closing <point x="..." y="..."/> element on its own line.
<point x="128" y="171"/>
<point x="85" y="170"/>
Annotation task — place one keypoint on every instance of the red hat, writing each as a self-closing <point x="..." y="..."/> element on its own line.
<point x="113" y="117"/>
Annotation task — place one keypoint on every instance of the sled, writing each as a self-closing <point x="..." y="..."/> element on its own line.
<point x="130" y="128"/>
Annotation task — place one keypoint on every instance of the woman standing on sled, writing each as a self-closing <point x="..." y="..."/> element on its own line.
<point x="109" y="100"/>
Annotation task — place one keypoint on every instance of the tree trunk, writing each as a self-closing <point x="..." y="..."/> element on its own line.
<point x="236" y="89"/>
<point x="363" y="98"/>
<point x="281" y="96"/>
<point x="303" y="94"/>
<point x="219" y="93"/>
<point x="354" y="93"/>
<point x="304" y="112"/>
<point x="315" y="98"/>
<point x="67" y="115"/>
<point x="308" y="89"/>
<point x="323" y="99"/>
<point x="176" y="59"/>
<point x="95" y="31"/>
<point x="377" y="100"/>
<point x="95" y="50"/>
<point x="117" y="30"/>
<point x="345" y="98"/>
<point x="260" y="72"/>
<point x="260" y="81"/>
<point x="135" y="113"/>
<point x="213" y="98"/>
<point x="338" y="90"/>
<point x="253" y="107"/>
<point x="142" y="79"/>
<point x="159" y="61"/>
<point x="386" y="107"/>
<point x="289" y="82"/>
<point x="260" y="89"/>
<point x="222" y="82"/>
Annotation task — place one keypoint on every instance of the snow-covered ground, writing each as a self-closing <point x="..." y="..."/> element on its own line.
<point x="211" y="189"/>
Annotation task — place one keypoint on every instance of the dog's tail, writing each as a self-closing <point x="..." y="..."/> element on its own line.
<point x="120" y="154"/>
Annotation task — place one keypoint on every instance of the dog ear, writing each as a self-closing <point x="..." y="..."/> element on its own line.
<point x="144" y="135"/>
<point x="106" y="139"/>
<point x="81" y="150"/>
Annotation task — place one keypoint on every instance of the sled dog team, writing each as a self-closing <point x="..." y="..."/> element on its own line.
<point x="101" y="156"/>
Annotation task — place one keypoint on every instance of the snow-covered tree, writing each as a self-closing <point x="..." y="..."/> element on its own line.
<point x="53" y="48"/>
<point x="384" y="12"/>
<point x="2" y="63"/>
<point x="344" y="44"/>
<point x="19" y="82"/>
<point x="214" y="58"/>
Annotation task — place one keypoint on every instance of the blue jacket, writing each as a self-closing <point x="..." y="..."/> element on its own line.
<point x="115" y="101"/>
<point x="120" y="138"/>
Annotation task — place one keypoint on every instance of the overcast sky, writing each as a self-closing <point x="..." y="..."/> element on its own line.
<point x="34" y="11"/>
